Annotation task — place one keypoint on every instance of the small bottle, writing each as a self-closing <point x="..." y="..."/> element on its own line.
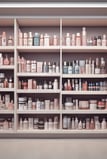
<point x="68" y="40"/>
<point x="102" y="66"/>
<point x="80" y="125"/>
<point x="1" y="59"/>
<point x="20" y="124"/>
<point x="4" y="39"/>
<point x="92" y="67"/>
<point x="36" y="39"/>
<point x="20" y="38"/>
<point x="76" y="123"/>
<point x="10" y="41"/>
<point x="55" y="84"/>
<point x="76" y="85"/>
<point x="73" y="42"/>
<point x="78" y="39"/>
<point x="77" y="67"/>
<point x="55" y="40"/>
<point x="87" y="67"/>
<point x="38" y="104"/>
<point x="25" y="124"/>
<point x="30" y="39"/>
<point x="73" y="124"/>
<point x="29" y="103"/>
<point x="97" y="68"/>
<point x="25" y="39"/>
<point x="99" y="41"/>
<point x="92" y="124"/>
<point x="46" y="40"/>
<point x="45" y="85"/>
<point x="50" y="85"/>
<point x="104" y="40"/>
<point x="70" y="68"/>
<point x="65" y="68"/>
<point x="33" y="66"/>
<point x="28" y="66"/>
<point x="69" y="87"/>
<point x="57" y="68"/>
<point x="84" y="36"/>
<point x="41" y="40"/>
<point x="10" y="83"/>
<point x="65" y="122"/>
<point x="45" y="67"/>
<point x="6" y="61"/>
<point x="5" y="83"/>
<point x="104" y="124"/>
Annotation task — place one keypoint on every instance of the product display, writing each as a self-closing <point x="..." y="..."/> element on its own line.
<point x="53" y="77"/>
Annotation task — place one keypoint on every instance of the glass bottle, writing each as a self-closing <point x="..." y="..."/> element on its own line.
<point x="70" y="68"/>
<point x="102" y="66"/>
<point x="36" y="39"/>
<point x="65" y="68"/>
<point x="77" y="67"/>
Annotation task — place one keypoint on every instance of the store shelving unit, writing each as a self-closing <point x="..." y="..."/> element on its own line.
<point x="59" y="53"/>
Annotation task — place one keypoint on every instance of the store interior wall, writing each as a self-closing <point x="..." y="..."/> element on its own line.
<point x="53" y="149"/>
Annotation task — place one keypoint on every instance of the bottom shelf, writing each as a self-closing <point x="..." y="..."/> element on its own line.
<point x="55" y="134"/>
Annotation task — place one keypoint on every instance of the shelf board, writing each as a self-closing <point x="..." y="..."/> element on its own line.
<point x="88" y="111"/>
<point x="7" y="131"/>
<point x="37" y="91"/>
<point x="7" y="89"/>
<point x="26" y="74"/>
<point x="84" y="75"/>
<point x="72" y="49"/>
<point x="6" y="111"/>
<point x="37" y="49"/>
<point x="84" y="92"/>
<point x="38" y="111"/>
<point x="7" y="48"/>
<point x="7" y="67"/>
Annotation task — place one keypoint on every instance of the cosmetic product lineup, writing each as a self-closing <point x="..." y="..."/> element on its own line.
<point x="37" y="66"/>
<point x="90" y="123"/>
<point x="6" y="103"/>
<point x="6" y="124"/>
<point x="84" y="85"/>
<point x="91" y="104"/>
<point x="34" y="84"/>
<point x="39" y="123"/>
<point x="6" y="82"/>
<point x="37" y="39"/>
<point x="82" y="39"/>
<point x="88" y="66"/>
<point x="25" y="103"/>
<point x="6" y="60"/>
<point x="6" y="40"/>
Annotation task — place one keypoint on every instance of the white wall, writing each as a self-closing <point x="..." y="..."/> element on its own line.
<point x="53" y="149"/>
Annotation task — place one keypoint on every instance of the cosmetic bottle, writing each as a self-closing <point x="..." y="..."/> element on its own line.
<point x="1" y="59"/>
<point x="11" y="60"/>
<point x="33" y="66"/>
<point x="38" y="103"/>
<point x="77" y="67"/>
<point x="76" y="123"/>
<point x="36" y="39"/>
<point x="69" y="87"/>
<point x="54" y="67"/>
<point x="50" y="123"/>
<point x="65" y="68"/>
<point x="5" y="83"/>
<point x="41" y="40"/>
<point x="76" y="85"/>
<point x="10" y="41"/>
<point x="4" y="39"/>
<point x="104" y="40"/>
<point x="20" y="124"/>
<point x="65" y="122"/>
<point x="73" y="41"/>
<point x="45" y="85"/>
<point x="84" y="36"/>
<point x="97" y="123"/>
<point x="86" y="67"/>
<point x="97" y="68"/>
<point x="68" y="40"/>
<point x="46" y="40"/>
<point x="102" y="66"/>
<point x="57" y="68"/>
<point x="49" y="67"/>
<point x="99" y="41"/>
<point x="89" y="69"/>
<point x="30" y="123"/>
<point x="45" y="67"/>
<point x="28" y="66"/>
<point x="29" y="103"/>
<point x="25" y="124"/>
<point x="30" y="39"/>
<point x="104" y="124"/>
<point x="55" y="84"/>
<point x="20" y="38"/>
<point x="72" y="124"/>
<point x="6" y="61"/>
<point x="92" y="124"/>
<point x="73" y="67"/>
<point x="92" y="67"/>
<point x="55" y="124"/>
<point x="95" y="41"/>
<point x="10" y="83"/>
<point x="50" y="85"/>
<point x="25" y="39"/>
<point x="78" y="39"/>
<point x="80" y="125"/>
<point x="70" y="68"/>
<point x="55" y="40"/>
